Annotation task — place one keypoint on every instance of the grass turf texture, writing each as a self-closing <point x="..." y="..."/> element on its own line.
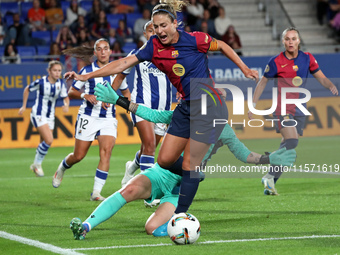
<point x="227" y="208"/>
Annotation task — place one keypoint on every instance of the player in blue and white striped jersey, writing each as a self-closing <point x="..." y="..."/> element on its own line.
<point x="95" y="120"/>
<point x="152" y="89"/>
<point x="48" y="89"/>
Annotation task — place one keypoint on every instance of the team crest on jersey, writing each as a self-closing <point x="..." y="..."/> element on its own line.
<point x="297" y="81"/>
<point x="295" y="68"/>
<point x="178" y="69"/>
<point x="174" y="54"/>
<point x="267" y="69"/>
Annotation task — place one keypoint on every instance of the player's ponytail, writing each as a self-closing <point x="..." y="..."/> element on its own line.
<point x="169" y="7"/>
<point x="84" y="53"/>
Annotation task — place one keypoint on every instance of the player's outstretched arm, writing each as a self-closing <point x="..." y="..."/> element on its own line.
<point x="108" y="95"/>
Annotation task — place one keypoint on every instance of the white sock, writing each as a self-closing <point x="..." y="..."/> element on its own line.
<point x="99" y="181"/>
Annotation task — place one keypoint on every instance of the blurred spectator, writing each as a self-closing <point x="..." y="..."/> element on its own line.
<point x="204" y="27"/>
<point x="36" y="17"/>
<point x="3" y="31"/>
<point x="139" y="24"/>
<point x="93" y="14"/>
<point x="65" y="38"/>
<point x="54" y="52"/>
<point x="113" y="37"/>
<point x="210" y="22"/>
<point x="101" y="26"/>
<point x="195" y="11"/>
<point x="115" y="7"/>
<point x="11" y="55"/>
<point x="116" y="49"/>
<point x="83" y="38"/>
<point x="45" y="4"/>
<point x="79" y="24"/>
<point x="124" y="32"/>
<point x="321" y="10"/>
<point x="232" y="39"/>
<point x="212" y="6"/>
<point x="54" y="16"/>
<point x="222" y="22"/>
<point x="334" y="8"/>
<point x="18" y="33"/>
<point x="187" y="29"/>
<point x="73" y="12"/>
<point x="150" y="4"/>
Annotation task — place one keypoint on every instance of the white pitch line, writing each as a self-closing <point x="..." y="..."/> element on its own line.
<point x="44" y="246"/>
<point x="209" y="242"/>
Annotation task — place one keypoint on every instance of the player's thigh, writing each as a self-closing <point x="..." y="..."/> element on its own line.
<point x="171" y="149"/>
<point x="138" y="187"/>
<point x="106" y="144"/>
<point x="163" y="214"/>
<point x="289" y="133"/>
<point x="81" y="148"/>
<point x="46" y="133"/>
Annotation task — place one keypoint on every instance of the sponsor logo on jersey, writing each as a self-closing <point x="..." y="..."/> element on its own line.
<point x="160" y="50"/>
<point x="178" y="69"/>
<point x="295" y="68"/>
<point x="297" y="81"/>
<point x="174" y="54"/>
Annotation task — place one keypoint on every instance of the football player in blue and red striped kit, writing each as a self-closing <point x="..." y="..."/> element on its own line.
<point x="290" y="69"/>
<point x="182" y="56"/>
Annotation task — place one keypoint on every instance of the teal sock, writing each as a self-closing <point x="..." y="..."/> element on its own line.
<point x="106" y="210"/>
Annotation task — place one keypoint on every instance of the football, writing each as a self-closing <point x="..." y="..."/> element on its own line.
<point x="184" y="228"/>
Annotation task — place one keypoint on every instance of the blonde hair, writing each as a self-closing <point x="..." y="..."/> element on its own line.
<point x="169" y="7"/>
<point x="53" y="63"/>
<point x="290" y="29"/>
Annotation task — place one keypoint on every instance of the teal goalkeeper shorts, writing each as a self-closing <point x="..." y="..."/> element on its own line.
<point x="164" y="185"/>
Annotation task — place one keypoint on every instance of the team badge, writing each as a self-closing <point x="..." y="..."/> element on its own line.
<point x="174" y="54"/>
<point x="297" y="81"/>
<point x="178" y="69"/>
<point x="267" y="69"/>
<point x="295" y="68"/>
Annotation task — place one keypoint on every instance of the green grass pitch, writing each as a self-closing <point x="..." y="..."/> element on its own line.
<point x="304" y="219"/>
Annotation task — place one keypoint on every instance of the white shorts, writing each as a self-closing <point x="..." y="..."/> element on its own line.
<point x="88" y="127"/>
<point x="38" y="121"/>
<point x="160" y="128"/>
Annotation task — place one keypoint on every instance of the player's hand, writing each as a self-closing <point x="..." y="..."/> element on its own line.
<point x="334" y="90"/>
<point x="65" y="108"/>
<point x="105" y="93"/>
<point x="91" y="98"/>
<point x="105" y="106"/>
<point x="73" y="75"/>
<point x="21" y="110"/>
<point x="252" y="74"/>
<point x="282" y="157"/>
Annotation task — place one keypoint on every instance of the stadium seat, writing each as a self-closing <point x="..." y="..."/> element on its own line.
<point x="44" y="35"/>
<point x="131" y="19"/>
<point x="2" y="52"/>
<point x="9" y="20"/>
<point x="64" y="5"/>
<point x="86" y="5"/>
<point x="24" y="7"/>
<point x="129" y="47"/>
<point x="43" y="51"/>
<point x="26" y="53"/>
<point x="9" y="7"/>
<point x="129" y="2"/>
<point x="54" y="35"/>
<point x="113" y="19"/>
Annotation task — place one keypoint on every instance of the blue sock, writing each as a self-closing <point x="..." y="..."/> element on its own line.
<point x="41" y="152"/>
<point x="188" y="189"/>
<point x="146" y="161"/>
<point x="65" y="164"/>
<point x="105" y="210"/>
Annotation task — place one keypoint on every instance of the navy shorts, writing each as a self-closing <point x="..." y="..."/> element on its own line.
<point x="188" y="121"/>
<point x="290" y="121"/>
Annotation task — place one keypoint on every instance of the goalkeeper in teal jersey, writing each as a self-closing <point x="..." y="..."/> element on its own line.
<point x="158" y="183"/>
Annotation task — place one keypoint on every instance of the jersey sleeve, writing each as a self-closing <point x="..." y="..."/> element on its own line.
<point x="271" y="69"/>
<point x="124" y="85"/>
<point x="128" y="70"/>
<point x="79" y="84"/>
<point x="203" y="41"/>
<point x="63" y="92"/>
<point x="34" y="85"/>
<point x="313" y="64"/>
<point x="145" y="53"/>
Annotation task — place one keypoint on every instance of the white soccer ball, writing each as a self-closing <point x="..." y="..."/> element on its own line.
<point x="184" y="228"/>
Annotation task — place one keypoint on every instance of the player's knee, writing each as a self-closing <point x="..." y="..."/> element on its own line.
<point x="150" y="227"/>
<point x="49" y="141"/>
<point x="78" y="157"/>
<point x="149" y="148"/>
<point x="291" y="143"/>
<point x="129" y="192"/>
